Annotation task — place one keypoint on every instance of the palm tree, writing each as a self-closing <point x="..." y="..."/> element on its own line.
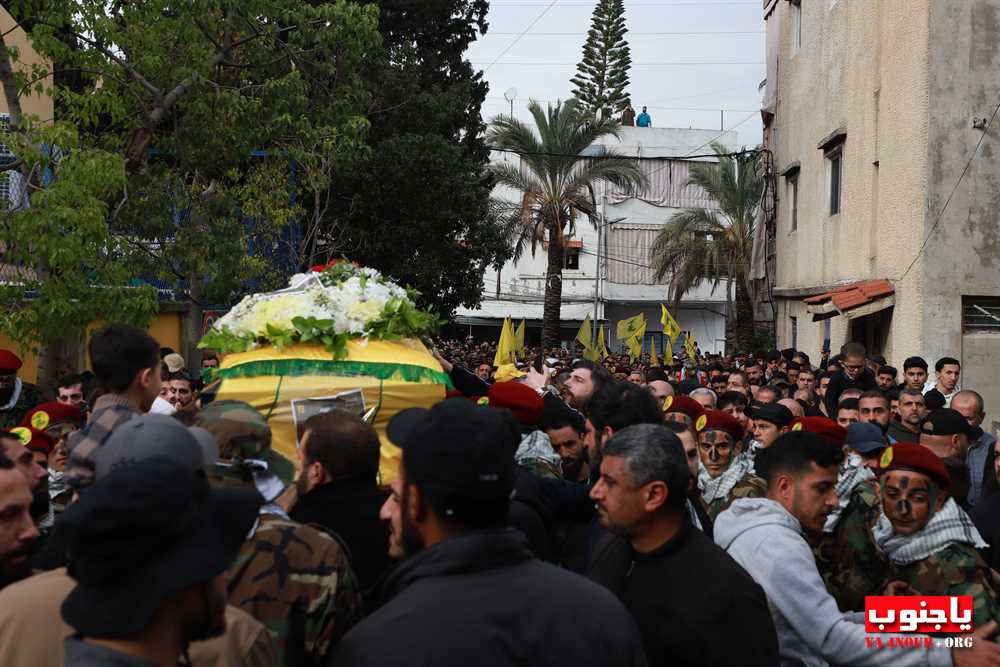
<point x="715" y="245"/>
<point x="556" y="183"/>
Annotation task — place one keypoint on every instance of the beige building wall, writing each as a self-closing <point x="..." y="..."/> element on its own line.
<point x="862" y="68"/>
<point x="39" y="106"/>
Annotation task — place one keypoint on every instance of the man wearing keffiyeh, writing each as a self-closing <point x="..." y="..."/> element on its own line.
<point x="724" y="466"/>
<point x="929" y="539"/>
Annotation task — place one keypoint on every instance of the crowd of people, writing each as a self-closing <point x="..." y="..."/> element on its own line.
<point x="729" y="510"/>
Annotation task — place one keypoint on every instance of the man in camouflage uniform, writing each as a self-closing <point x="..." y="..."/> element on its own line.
<point x="293" y="578"/>
<point x="930" y="540"/>
<point x="851" y="565"/>
<point x="725" y="471"/>
<point x="17" y="397"/>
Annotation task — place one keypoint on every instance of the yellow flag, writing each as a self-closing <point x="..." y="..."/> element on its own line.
<point x="602" y="349"/>
<point x="631" y="326"/>
<point x="668" y="354"/>
<point x="670" y="326"/>
<point x="519" y="339"/>
<point x="689" y="346"/>
<point x="583" y="336"/>
<point x="634" y="345"/>
<point x="506" y="346"/>
<point x="653" y="360"/>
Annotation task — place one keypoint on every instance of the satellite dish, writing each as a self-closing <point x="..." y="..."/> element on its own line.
<point x="510" y="94"/>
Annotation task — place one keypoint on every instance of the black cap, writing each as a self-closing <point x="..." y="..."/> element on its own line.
<point x="458" y="453"/>
<point x="934" y="400"/>
<point x="144" y="533"/>
<point x="945" y="421"/>
<point x="775" y="413"/>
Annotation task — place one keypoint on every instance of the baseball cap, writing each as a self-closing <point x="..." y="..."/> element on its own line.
<point x="150" y="435"/>
<point x="775" y="413"/>
<point x="457" y="452"/>
<point x="864" y="437"/>
<point x="945" y="421"/>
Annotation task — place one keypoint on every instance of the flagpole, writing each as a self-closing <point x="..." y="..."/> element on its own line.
<point x="597" y="272"/>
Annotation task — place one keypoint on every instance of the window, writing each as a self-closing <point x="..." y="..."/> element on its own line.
<point x="795" y="332"/>
<point x="793" y="200"/>
<point x="981" y="314"/>
<point x="795" y="7"/>
<point x="835" y="161"/>
<point x="571" y="259"/>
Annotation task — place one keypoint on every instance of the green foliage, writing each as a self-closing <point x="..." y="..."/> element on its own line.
<point x="602" y="76"/>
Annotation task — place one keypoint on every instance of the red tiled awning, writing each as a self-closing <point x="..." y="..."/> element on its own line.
<point x="855" y="299"/>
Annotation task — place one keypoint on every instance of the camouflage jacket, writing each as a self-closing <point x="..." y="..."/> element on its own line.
<point x="955" y="570"/>
<point x="848" y="560"/>
<point x="29" y="398"/>
<point x="297" y="581"/>
<point x="751" y="486"/>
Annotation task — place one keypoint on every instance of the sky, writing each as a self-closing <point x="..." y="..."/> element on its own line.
<point x="691" y="59"/>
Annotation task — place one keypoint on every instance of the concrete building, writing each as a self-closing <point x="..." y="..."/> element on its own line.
<point x="881" y="116"/>
<point x="626" y="283"/>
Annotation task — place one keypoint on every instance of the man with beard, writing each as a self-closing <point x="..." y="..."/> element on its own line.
<point x="851" y="565"/>
<point x="468" y="591"/>
<point x="723" y="464"/>
<point x="930" y="540"/>
<point x="854" y="374"/>
<point x="12" y="446"/>
<point x="886" y="378"/>
<point x="148" y="550"/>
<point x="648" y="558"/>
<point x="970" y="405"/>
<point x="586" y="378"/>
<point x="874" y="408"/>
<point x="567" y="431"/>
<point x="765" y="536"/>
<point x="912" y="411"/>
<point x="17" y="530"/>
<point x="293" y="578"/>
<point x="947" y="433"/>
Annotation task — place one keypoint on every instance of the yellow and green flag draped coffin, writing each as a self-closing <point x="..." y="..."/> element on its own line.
<point x="286" y="386"/>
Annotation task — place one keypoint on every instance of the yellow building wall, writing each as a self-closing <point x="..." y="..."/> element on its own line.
<point x="34" y="104"/>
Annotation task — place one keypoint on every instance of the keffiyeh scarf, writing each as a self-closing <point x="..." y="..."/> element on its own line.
<point x="713" y="488"/>
<point x="536" y="448"/>
<point x="851" y="473"/>
<point x="949" y="525"/>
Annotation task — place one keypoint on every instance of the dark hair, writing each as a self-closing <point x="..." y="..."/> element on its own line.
<point x="773" y="355"/>
<point x="778" y="394"/>
<point x="888" y="370"/>
<point x="344" y="444"/>
<point x="716" y="367"/>
<point x="681" y="427"/>
<point x="792" y="366"/>
<point x="793" y="452"/>
<point x="914" y="362"/>
<point x="656" y="375"/>
<point x="872" y="393"/>
<point x="849" y="404"/>
<point x="69" y="380"/>
<point x="945" y="361"/>
<point x="746" y="378"/>
<point x="893" y="395"/>
<point x="852" y="350"/>
<point x="119" y="352"/>
<point x="621" y="404"/>
<point x="878" y="359"/>
<point x="909" y="391"/>
<point x="653" y="453"/>
<point x="181" y="375"/>
<point x="805" y="358"/>
<point x="560" y="418"/>
<point x="164" y="351"/>
<point x="728" y="398"/>
<point x="599" y="375"/>
<point x="807" y="370"/>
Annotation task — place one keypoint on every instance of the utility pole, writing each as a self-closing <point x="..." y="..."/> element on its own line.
<point x="597" y="271"/>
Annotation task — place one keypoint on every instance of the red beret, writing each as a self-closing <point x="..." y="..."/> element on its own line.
<point x="821" y="426"/>
<point x="909" y="456"/>
<point x="46" y="415"/>
<point x="9" y="362"/>
<point x="685" y="405"/>
<point x="519" y="398"/>
<point x="717" y="420"/>
<point x="34" y="439"/>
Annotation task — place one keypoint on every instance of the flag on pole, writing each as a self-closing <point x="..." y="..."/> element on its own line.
<point x="670" y="326"/>
<point x="583" y="336"/>
<point x="668" y="354"/>
<point x="507" y="346"/>
<point x="602" y="348"/>
<point x="689" y="346"/>
<point x="653" y="360"/>
<point x="519" y="338"/>
<point x="629" y="327"/>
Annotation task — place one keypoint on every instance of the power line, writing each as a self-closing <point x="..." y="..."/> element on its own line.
<point x="724" y="3"/>
<point x="651" y="106"/>
<point x="518" y="38"/>
<point x="634" y="34"/>
<point x="952" y="194"/>
<point x="752" y="114"/>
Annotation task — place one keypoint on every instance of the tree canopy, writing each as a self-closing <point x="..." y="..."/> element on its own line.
<point x="602" y="76"/>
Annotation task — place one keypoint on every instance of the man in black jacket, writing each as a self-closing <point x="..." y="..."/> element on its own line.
<point x="682" y="589"/>
<point x="854" y="374"/>
<point x="468" y="591"/>
<point x="338" y="489"/>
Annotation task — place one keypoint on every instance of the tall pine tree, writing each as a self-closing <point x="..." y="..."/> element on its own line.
<point x="602" y="76"/>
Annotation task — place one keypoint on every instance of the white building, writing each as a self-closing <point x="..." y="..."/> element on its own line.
<point x="626" y="286"/>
